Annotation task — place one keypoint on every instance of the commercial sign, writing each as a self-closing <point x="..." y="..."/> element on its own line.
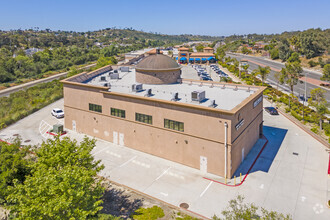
<point x="256" y="102"/>
<point x="239" y="124"/>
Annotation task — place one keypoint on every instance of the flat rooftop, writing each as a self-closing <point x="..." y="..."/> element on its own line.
<point x="225" y="96"/>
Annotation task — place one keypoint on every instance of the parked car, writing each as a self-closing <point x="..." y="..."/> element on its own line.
<point x="58" y="113"/>
<point x="271" y="110"/>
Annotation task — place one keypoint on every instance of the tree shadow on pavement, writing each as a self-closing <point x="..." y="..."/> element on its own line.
<point x="117" y="202"/>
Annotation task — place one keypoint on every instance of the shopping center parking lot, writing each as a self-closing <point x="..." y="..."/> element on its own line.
<point x="290" y="176"/>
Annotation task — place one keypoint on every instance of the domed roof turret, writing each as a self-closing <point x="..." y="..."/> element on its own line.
<point x="158" y="62"/>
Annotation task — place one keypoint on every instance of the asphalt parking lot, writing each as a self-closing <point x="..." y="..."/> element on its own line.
<point x="290" y="176"/>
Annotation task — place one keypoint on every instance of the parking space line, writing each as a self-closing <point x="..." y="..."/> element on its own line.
<point x="128" y="161"/>
<point x="206" y="189"/>
<point x="99" y="151"/>
<point x="165" y="171"/>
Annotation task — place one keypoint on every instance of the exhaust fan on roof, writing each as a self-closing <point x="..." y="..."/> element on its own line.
<point x="213" y="104"/>
<point x="149" y="93"/>
<point x="175" y="97"/>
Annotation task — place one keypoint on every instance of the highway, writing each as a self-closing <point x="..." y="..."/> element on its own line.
<point x="8" y="91"/>
<point x="299" y="89"/>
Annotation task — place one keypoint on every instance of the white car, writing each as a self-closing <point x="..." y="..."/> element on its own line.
<point x="58" y="113"/>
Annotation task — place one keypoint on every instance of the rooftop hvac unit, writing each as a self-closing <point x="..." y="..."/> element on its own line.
<point x="124" y="69"/>
<point x="102" y="78"/>
<point x="114" y="76"/>
<point x="149" y="93"/>
<point x="175" y="97"/>
<point x="137" y="87"/>
<point x="213" y="104"/>
<point x="115" y="71"/>
<point x="198" y="96"/>
<point x="106" y="85"/>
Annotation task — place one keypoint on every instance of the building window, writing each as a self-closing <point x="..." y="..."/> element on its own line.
<point x="118" y="112"/>
<point x="143" y="118"/>
<point x="174" y="125"/>
<point x="95" y="108"/>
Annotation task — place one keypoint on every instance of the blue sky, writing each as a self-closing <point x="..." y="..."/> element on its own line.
<point x="205" y="17"/>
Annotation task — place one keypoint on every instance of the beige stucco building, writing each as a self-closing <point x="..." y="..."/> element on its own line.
<point x="205" y="125"/>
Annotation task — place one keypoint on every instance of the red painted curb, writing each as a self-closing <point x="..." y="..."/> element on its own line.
<point x="255" y="160"/>
<point x="64" y="132"/>
<point x="19" y="147"/>
<point x="5" y="142"/>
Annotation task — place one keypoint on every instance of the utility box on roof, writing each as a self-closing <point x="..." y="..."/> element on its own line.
<point x="58" y="128"/>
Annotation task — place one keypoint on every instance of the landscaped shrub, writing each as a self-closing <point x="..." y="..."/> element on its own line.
<point x="315" y="130"/>
<point x="152" y="213"/>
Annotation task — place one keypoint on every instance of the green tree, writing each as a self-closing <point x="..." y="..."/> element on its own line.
<point x="245" y="50"/>
<point x="290" y="75"/>
<point x="13" y="166"/>
<point x="277" y="76"/>
<point x="62" y="185"/>
<point x="274" y="53"/>
<point x="254" y="75"/>
<point x="317" y="100"/>
<point x="221" y="53"/>
<point x="326" y="73"/>
<point x="238" y="210"/>
<point x="284" y="50"/>
<point x="200" y="47"/>
<point x="103" y="61"/>
<point x="263" y="72"/>
<point x="294" y="58"/>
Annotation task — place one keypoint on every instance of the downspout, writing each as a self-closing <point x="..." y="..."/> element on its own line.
<point x="226" y="148"/>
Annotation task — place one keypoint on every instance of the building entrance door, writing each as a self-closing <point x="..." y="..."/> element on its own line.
<point x="74" y="125"/>
<point x="121" y="139"/>
<point x="115" y="137"/>
<point x="260" y="129"/>
<point x="203" y="164"/>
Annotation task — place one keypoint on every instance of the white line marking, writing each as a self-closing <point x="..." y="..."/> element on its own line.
<point x="303" y="198"/>
<point x="163" y="173"/>
<point x="164" y="194"/>
<point x="99" y="151"/>
<point x="128" y="161"/>
<point x="206" y="189"/>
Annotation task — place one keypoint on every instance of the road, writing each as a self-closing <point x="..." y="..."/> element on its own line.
<point x="299" y="89"/>
<point x="7" y="92"/>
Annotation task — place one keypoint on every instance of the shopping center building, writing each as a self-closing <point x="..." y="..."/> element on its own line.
<point x="207" y="56"/>
<point x="209" y="126"/>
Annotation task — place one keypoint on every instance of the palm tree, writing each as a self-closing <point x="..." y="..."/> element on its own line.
<point x="262" y="71"/>
<point x="254" y="74"/>
<point x="290" y="75"/>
